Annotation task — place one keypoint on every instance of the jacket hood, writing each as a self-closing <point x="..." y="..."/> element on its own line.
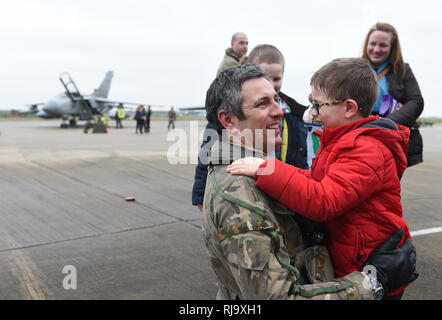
<point x="394" y="136"/>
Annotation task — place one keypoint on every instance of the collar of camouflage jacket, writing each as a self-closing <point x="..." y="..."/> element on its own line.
<point x="231" y="53"/>
<point x="224" y="153"/>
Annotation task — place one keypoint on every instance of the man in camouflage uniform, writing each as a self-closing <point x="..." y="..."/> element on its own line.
<point x="239" y="46"/>
<point x="255" y="245"/>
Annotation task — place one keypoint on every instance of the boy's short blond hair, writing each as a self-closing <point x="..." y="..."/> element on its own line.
<point x="266" y="53"/>
<point x="348" y="78"/>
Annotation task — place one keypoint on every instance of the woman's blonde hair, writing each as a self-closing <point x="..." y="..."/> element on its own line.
<point x="395" y="58"/>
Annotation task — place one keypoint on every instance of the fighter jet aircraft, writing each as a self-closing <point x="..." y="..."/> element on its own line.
<point x="72" y="104"/>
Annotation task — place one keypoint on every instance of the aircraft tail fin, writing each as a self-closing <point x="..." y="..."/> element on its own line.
<point x="103" y="90"/>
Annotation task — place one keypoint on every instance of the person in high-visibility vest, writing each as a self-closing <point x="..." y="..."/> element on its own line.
<point x="119" y="116"/>
<point x="103" y="119"/>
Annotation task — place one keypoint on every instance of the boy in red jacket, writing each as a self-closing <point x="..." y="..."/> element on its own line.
<point x="353" y="184"/>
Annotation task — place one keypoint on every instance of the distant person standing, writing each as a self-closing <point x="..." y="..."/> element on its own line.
<point x="238" y="49"/>
<point x="172" y="117"/>
<point x="140" y="117"/>
<point x="120" y="116"/>
<point x="148" y="114"/>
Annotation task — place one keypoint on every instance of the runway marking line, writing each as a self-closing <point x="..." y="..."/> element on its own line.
<point x="27" y="273"/>
<point x="425" y="231"/>
<point x="24" y="271"/>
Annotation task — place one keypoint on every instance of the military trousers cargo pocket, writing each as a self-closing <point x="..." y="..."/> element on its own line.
<point x="254" y="251"/>
<point x="317" y="265"/>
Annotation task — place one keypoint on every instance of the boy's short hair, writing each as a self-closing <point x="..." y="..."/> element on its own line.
<point x="265" y="53"/>
<point x="348" y="78"/>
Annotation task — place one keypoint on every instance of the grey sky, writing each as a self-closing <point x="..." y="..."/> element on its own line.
<point x="167" y="52"/>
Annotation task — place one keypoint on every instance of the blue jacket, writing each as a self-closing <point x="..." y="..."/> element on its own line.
<point x="297" y="133"/>
<point x="201" y="171"/>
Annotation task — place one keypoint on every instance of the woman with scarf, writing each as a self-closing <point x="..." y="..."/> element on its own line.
<point x="399" y="96"/>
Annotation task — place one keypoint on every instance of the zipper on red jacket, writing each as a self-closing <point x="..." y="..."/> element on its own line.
<point x="360" y="253"/>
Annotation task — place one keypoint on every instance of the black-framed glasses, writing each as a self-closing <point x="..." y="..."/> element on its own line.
<point x="317" y="106"/>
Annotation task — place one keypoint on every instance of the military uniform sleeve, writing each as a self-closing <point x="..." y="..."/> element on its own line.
<point x="260" y="276"/>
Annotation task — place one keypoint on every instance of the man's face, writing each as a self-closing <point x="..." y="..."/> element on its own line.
<point x="240" y="45"/>
<point x="262" y="112"/>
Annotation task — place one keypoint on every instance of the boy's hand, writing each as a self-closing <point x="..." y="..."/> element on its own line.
<point x="245" y="166"/>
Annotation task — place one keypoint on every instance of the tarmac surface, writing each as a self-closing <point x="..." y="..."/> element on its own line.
<point x="63" y="214"/>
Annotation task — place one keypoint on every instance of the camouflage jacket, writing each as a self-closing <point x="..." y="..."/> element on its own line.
<point x="243" y="255"/>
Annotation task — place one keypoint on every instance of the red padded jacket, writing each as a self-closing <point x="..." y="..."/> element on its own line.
<point x="353" y="185"/>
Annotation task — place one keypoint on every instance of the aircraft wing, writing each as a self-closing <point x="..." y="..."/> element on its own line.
<point x="192" y="108"/>
<point x="32" y="109"/>
<point x="153" y="106"/>
<point x="104" y="100"/>
<point x="35" y="104"/>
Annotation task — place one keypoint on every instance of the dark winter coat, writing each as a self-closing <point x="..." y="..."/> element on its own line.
<point x="140" y="115"/>
<point x="406" y="91"/>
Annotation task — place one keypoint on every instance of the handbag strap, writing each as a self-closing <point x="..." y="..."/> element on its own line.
<point x="383" y="73"/>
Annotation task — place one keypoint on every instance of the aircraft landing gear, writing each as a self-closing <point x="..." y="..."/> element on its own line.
<point x="63" y="124"/>
<point x="73" y="123"/>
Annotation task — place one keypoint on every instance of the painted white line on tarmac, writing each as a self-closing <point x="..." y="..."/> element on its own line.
<point x="425" y="231"/>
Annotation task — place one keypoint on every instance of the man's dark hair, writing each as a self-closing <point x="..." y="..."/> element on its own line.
<point x="225" y="92"/>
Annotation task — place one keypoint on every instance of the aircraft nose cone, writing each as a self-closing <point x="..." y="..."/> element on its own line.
<point x="50" y="107"/>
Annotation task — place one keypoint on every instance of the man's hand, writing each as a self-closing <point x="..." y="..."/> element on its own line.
<point x="245" y="166"/>
<point x="200" y="206"/>
<point x="394" y="267"/>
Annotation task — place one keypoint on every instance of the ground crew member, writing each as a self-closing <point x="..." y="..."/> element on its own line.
<point x="120" y="116"/>
<point x="103" y="119"/>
